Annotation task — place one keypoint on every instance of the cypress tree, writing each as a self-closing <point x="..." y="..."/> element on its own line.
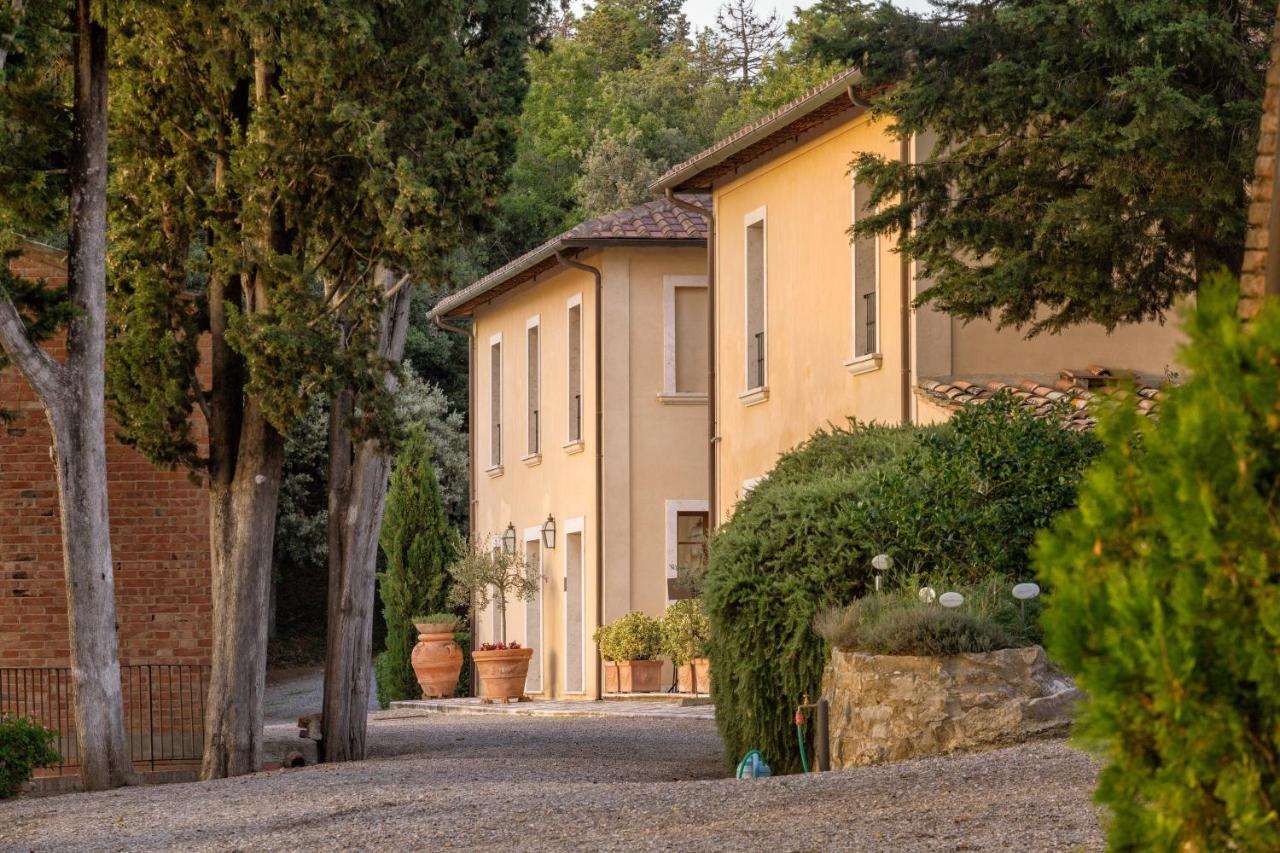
<point x="418" y="544"/>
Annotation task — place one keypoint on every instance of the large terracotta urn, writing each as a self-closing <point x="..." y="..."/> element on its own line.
<point x="640" y="676"/>
<point x="501" y="672"/>
<point x="436" y="659"/>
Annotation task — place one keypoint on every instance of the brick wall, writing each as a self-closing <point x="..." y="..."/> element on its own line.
<point x="159" y="537"/>
<point x="1260" y="242"/>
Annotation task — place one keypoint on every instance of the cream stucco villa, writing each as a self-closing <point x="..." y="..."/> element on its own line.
<point x="588" y="413"/>
<point x="810" y="330"/>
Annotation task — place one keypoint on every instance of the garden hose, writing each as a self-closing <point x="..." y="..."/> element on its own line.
<point x="800" y="738"/>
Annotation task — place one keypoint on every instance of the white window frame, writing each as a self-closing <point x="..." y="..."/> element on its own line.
<point x="669" y="393"/>
<point x="577" y="524"/>
<point x="495" y="417"/>
<point x="673" y="509"/>
<point x="572" y="444"/>
<point x="868" y="361"/>
<point x="754" y="393"/>
<point x="533" y="454"/>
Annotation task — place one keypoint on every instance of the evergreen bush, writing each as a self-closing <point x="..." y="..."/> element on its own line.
<point x="961" y="500"/>
<point x="1166" y="597"/>
<point x="685" y="630"/>
<point x="24" y="746"/>
<point x="419" y="545"/>
<point x="635" y="636"/>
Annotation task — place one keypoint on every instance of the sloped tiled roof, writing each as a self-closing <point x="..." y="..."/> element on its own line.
<point x="1073" y="393"/>
<point x="657" y="221"/>
<point x="818" y="105"/>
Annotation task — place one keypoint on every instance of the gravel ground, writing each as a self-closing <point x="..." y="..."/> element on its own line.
<point x="502" y="783"/>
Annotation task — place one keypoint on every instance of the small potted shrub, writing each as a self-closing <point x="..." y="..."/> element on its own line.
<point x="25" y="745"/>
<point x="603" y="639"/>
<point x="684" y="637"/>
<point x="483" y="575"/>
<point x="436" y="658"/>
<point x="635" y="641"/>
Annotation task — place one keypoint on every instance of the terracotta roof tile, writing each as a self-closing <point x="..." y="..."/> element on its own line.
<point x="653" y="220"/>
<point x="1070" y="398"/>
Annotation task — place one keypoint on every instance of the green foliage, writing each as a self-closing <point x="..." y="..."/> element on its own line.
<point x="25" y="745"/>
<point x="1166" y="601"/>
<point x="483" y="573"/>
<point x="1092" y="159"/>
<point x="880" y="625"/>
<point x="899" y="622"/>
<point x="635" y="636"/>
<point x="419" y="545"/>
<point x="685" y="630"/>
<point x="271" y="205"/>
<point x="955" y="501"/>
<point x="440" y="618"/>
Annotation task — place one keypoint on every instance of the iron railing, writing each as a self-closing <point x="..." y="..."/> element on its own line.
<point x="535" y="432"/>
<point x="759" y="360"/>
<point x="575" y="428"/>
<point x="163" y="710"/>
<point x="869" y="312"/>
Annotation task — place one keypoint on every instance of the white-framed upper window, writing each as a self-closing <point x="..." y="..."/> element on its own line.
<point x="575" y="401"/>
<point x="495" y="401"/>
<point x="684" y="336"/>
<point x="756" y="297"/>
<point x="533" y="385"/>
<point x="866" y="278"/>
<point x="688" y="524"/>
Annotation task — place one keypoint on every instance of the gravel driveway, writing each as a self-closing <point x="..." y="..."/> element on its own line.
<point x="498" y="783"/>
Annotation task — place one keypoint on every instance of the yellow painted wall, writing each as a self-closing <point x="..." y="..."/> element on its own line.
<point x="807" y="199"/>
<point x="805" y="194"/>
<point x="653" y="452"/>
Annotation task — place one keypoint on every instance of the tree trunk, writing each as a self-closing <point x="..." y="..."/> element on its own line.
<point x="242" y="522"/>
<point x="73" y="398"/>
<point x="357" y="493"/>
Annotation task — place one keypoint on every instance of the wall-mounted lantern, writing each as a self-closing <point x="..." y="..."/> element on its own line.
<point x="549" y="532"/>
<point x="509" y="539"/>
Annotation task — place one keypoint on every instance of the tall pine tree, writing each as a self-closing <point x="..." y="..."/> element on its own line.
<point x="282" y="169"/>
<point x="1092" y="157"/>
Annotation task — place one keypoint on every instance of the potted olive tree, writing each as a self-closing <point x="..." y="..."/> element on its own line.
<point x="483" y="575"/>
<point x="685" y="630"/>
<point x="635" y="642"/>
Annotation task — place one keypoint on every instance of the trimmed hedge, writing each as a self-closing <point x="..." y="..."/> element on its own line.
<point x="1166" y="601"/>
<point x="963" y="498"/>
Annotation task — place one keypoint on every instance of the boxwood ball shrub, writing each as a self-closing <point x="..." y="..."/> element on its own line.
<point x="1166" y="597"/>
<point x="963" y="498"/>
<point x="25" y="745"/>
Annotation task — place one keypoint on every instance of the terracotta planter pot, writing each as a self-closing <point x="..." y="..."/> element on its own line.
<point x="640" y="676"/>
<point x="436" y="659"/>
<point x="702" y="673"/>
<point x="684" y="677"/>
<point x="502" y="672"/>
<point x="611" y="676"/>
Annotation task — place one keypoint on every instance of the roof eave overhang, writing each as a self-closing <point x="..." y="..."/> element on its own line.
<point x="535" y="265"/>
<point x="684" y="177"/>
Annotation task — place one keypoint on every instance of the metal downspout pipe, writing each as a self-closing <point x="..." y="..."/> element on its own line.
<point x="595" y="272"/>
<point x="472" y="501"/>
<point x="713" y="437"/>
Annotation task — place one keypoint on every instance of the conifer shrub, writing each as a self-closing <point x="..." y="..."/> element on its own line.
<point x="1166" y="597"/>
<point x="962" y="499"/>
<point x="418" y="544"/>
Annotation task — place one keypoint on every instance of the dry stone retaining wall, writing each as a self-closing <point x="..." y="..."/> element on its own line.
<point x="893" y="707"/>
